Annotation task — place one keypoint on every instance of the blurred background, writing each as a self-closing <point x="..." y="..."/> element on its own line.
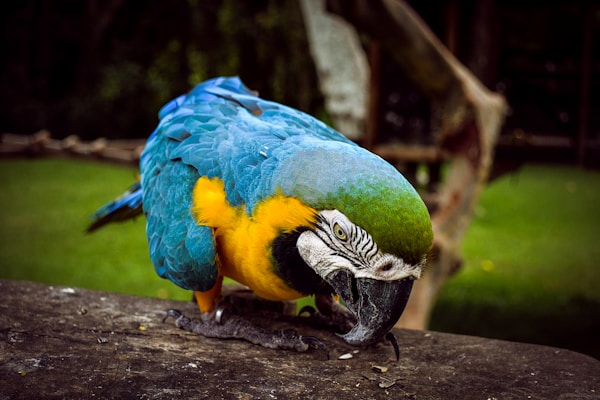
<point x="102" y="69"/>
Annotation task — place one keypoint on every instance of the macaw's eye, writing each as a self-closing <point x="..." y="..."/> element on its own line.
<point x="339" y="232"/>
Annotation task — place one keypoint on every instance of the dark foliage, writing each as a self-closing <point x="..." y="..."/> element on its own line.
<point x="104" y="68"/>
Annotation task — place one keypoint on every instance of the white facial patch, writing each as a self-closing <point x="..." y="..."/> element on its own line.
<point x="337" y="243"/>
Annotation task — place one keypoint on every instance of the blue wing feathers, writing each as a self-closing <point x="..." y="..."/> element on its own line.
<point x="170" y="226"/>
<point x="171" y="106"/>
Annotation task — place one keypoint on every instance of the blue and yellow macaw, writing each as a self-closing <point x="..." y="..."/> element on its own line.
<point x="236" y="186"/>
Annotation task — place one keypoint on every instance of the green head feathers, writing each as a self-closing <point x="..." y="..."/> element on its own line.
<point x="367" y="189"/>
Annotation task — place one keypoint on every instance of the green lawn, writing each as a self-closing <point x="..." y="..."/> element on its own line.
<point x="531" y="268"/>
<point x="45" y="208"/>
<point x="531" y="253"/>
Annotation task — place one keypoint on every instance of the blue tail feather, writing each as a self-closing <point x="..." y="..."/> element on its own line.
<point x="126" y="206"/>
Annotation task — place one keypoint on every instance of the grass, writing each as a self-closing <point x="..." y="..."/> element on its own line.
<point x="531" y="262"/>
<point x="531" y="254"/>
<point x="45" y="207"/>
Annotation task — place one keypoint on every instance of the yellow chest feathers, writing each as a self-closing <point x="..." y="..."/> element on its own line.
<point x="244" y="241"/>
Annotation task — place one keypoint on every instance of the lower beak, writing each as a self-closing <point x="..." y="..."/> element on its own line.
<point x="376" y="304"/>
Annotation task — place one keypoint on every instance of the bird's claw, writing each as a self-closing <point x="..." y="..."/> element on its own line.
<point x="173" y="314"/>
<point x="234" y="327"/>
<point x="315" y="343"/>
<point x="392" y="339"/>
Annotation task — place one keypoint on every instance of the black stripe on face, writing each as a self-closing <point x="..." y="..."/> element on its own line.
<point x="359" y="249"/>
<point x="289" y="266"/>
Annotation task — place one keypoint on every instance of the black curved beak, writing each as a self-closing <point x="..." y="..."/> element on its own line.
<point x="377" y="305"/>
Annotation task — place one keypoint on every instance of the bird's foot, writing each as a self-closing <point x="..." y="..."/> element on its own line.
<point x="222" y="325"/>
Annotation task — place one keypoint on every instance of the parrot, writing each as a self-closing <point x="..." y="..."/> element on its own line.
<point x="236" y="186"/>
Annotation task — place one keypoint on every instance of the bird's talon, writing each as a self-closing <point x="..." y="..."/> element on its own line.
<point x="392" y="339"/>
<point x="181" y="321"/>
<point x="173" y="314"/>
<point x="315" y="343"/>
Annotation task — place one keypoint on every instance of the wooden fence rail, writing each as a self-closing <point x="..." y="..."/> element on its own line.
<point x="42" y="144"/>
